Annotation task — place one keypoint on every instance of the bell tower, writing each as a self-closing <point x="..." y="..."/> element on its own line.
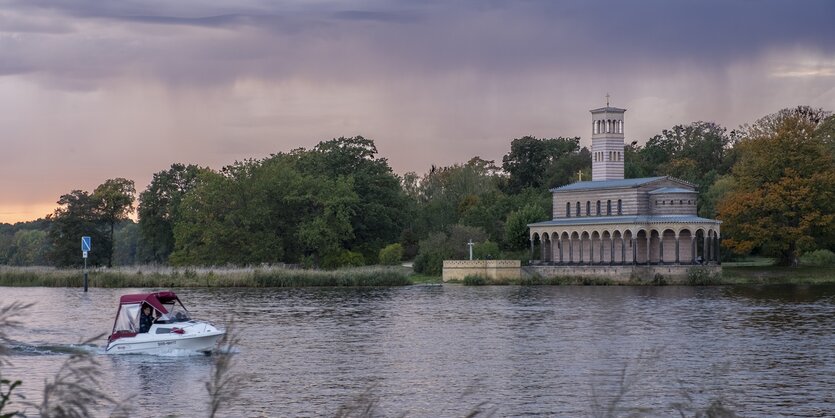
<point x="607" y="143"/>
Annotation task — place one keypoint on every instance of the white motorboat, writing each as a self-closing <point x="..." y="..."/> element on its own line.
<point x="171" y="328"/>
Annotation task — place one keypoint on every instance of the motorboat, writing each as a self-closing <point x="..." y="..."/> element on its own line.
<point x="172" y="330"/>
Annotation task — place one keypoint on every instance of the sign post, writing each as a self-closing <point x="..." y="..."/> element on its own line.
<point x="85" y="248"/>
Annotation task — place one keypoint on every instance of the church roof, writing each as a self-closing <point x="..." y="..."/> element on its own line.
<point x="671" y="190"/>
<point x="632" y="219"/>
<point x="608" y="109"/>
<point x="606" y="184"/>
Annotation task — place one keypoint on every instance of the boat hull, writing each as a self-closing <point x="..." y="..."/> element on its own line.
<point x="195" y="338"/>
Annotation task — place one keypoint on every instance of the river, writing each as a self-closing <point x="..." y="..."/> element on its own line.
<point x="446" y="351"/>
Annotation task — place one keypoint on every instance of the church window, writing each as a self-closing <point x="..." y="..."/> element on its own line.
<point x="689" y="202"/>
<point x="680" y="202"/>
<point x="588" y="208"/>
<point x="568" y="210"/>
<point x="620" y="207"/>
<point x="656" y="203"/>
<point x="578" y="208"/>
<point x="598" y="208"/>
<point x="608" y="207"/>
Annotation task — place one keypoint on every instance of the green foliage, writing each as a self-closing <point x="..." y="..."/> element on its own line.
<point x="115" y="199"/>
<point x="473" y="280"/>
<point x="343" y="258"/>
<point x="391" y="255"/>
<point x="516" y="228"/>
<point x="442" y="246"/>
<point x="77" y="216"/>
<point x="487" y="250"/>
<point x="263" y="212"/>
<point x="159" y="209"/>
<point x="818" y="258"/>
<point x="701" y="276"/>
<point x="543" y="163"/>
<point x="699" y="153"/>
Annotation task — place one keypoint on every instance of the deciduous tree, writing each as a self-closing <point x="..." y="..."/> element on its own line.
<point x="783" y="198"/>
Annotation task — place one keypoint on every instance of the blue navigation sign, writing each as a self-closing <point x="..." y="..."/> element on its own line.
<point x="85" y="244"/>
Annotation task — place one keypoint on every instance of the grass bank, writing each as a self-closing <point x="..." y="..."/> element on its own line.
<point x="204" y="277"/>
<point x="758" y="274"/>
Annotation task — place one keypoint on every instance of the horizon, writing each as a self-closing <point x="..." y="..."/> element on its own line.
<point x="93" y="91"/>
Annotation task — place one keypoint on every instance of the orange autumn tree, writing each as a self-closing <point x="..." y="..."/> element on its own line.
<point x="782" y="199"/>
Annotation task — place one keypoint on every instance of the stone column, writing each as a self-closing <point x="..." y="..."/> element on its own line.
<point x="677" y="250"/>
<point x="531" y="248"/>
<point x="560" y="244"/>
<point x="634" y="250"/>
<point x="591" y="250"/>
<point x="705" y="250"/>
<point x="718" y="250"/>
<point x="581" y="249"/>
<point x="649" y="251"/>
<point x="661" y="248"/>
<point x="570" y="250"/>
<point x="622" y="250"/>
<point x="602" y="252"/>
<point x="693" y="249"/>
<point x="612" y="251"/>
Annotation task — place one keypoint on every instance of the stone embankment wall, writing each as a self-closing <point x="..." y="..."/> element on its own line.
<point x="491" y="269"/>
<point x="674" y="272"/>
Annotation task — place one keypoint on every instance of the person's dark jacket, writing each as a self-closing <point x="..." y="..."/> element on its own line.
<point x="145" y="322"/>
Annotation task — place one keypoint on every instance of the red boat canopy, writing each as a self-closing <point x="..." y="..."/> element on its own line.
<point x="154" y="299"/>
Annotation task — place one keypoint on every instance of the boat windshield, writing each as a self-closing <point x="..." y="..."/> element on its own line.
<point x="176" y="313"/>
<point x="127" y="318"/>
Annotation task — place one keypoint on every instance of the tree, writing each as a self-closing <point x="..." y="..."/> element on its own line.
<point x="783" y="199"/>
<point x="542" y="163"/>
<point x="114" y="199"/>
<point x="76" y="216"/>
<point x="159" y="209"/>
<point x="699" y="152"/>
<point x="516" y="230"/>
<point x="376" y="217"/>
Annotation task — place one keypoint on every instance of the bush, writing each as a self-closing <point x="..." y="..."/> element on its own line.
<point x="700" y="276"/>
<point x="818" y="258"/>
<point x="431" y="264"/>
<point x="343" y="258"/>
<point x="475" y="281"/>
<point x="391" y="255"/>
<point x="487" y="250"/>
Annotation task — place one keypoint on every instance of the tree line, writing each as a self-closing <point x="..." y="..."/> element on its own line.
<point x="772" y="183"/>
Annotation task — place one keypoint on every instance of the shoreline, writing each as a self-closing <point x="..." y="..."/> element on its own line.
<point x="372" y="276"/>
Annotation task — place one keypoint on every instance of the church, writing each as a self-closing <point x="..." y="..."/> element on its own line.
<point x="623" y="228"/>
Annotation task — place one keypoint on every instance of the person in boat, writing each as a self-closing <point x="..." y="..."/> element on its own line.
<point x="146" y="319"/>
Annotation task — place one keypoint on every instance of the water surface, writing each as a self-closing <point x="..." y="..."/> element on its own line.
<point x="432" y="351"/>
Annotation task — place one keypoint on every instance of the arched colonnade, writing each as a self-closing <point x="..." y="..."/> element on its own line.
<point x="662" y="245"/>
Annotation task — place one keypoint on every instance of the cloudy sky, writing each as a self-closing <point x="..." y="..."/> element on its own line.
<point x="91" y="90"/>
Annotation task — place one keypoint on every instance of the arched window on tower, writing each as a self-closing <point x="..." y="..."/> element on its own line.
<point x="578" y="208"/>
<point x="620" y="207"/>
<point x="588" y="208"/>
<point x="568" y="209"/>
<point x="598" y="208"/>
<point x="608" y="207"/>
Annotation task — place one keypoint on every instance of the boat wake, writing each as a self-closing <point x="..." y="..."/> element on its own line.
<point x="23" y="349"/>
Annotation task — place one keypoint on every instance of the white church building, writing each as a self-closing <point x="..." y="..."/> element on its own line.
<point x="623" y="228"/>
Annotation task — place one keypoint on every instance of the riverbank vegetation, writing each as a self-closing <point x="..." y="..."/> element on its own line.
<point x="339" y="204"/>
<point x="171" y="277"/>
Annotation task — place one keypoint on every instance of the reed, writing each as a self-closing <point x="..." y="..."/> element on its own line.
<point x="156" y="276"/>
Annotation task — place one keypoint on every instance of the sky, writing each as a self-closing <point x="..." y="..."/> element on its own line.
<point x="92" y="90"/>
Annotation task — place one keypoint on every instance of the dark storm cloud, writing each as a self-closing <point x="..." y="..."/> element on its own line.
<point x="426" y="37"/>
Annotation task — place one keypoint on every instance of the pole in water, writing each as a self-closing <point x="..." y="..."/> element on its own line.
<point x="85" y="274"/>
<point x="85" y="247"/>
